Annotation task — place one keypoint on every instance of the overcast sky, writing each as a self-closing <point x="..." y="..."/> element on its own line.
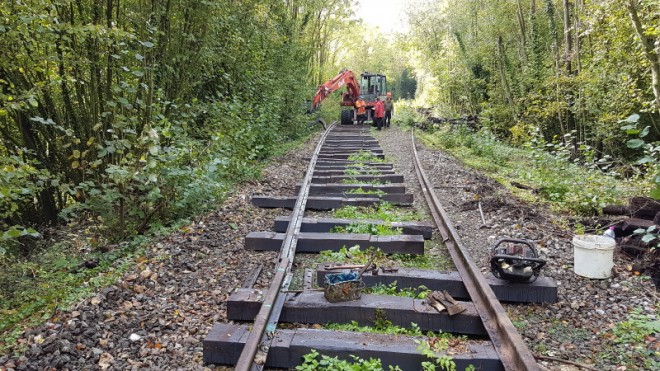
<point x="389" y="15"/>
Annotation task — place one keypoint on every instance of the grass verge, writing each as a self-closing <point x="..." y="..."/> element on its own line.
<point x="554" y="181"/>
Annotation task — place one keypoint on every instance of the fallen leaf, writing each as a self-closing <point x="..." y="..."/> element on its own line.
<point x="146" y="273"/>
<point x="106" y="360"/>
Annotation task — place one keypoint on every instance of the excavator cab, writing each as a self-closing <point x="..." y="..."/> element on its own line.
<point x="371" y="86"/>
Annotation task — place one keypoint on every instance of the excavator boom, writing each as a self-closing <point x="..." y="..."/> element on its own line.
<point x="344" y="78"/>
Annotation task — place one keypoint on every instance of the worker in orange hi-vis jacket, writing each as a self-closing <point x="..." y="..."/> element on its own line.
<point x="361" y="107"/>
<point x="379" y="113"/>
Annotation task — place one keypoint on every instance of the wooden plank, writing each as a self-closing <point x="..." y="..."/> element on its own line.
<point x="339" y="150"/>
<point x="543" y="290"/>
<point x="313" y="202"/>
<point x="399" y="199"/>
<point x="628" y="226"/>
<point x="316" y="242"/>
<point x="340" y="166"/>
<point x="644" y="207"/>
<point x="329" y="166"/>
<point x="252" y="277"/>
<point x="317" y="189"/>
<point x="223" y="345"/>
<point x="364" y="178"/>
<point x="349" y="137"/>
<point x="357" y="141"/>
<point x="343" y="171"/>
<point x="344" y="156"/>
<point x="311" y="307"/>
<point x="327" y="224"/>
<point x="355" y="147"/>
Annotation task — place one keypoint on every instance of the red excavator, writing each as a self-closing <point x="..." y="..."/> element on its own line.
<point x="369" y="87"/>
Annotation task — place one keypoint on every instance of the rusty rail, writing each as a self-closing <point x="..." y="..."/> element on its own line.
<point x="508" y="343"/>
<point x="255" y="351"/>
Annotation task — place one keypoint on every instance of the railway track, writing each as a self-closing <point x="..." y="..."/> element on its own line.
<point x="344" y="170"/>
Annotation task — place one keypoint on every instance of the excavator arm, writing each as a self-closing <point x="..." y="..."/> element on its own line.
<point x="344" y="78"/>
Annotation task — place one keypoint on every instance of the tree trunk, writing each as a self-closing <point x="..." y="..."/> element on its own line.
<point x="502" y="67"/>
<point x="523" y="30"/>
<point x="648" y="48"/>
<point x="568" y="59"/>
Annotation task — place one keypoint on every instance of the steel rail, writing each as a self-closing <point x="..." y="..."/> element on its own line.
<point x="509" y="345"/>
<point x="254" y="353"/>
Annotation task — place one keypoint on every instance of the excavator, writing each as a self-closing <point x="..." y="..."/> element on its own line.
<point x="370" y="86"/>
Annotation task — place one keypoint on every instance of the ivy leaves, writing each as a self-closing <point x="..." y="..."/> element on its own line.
<point x="651" y="150"/>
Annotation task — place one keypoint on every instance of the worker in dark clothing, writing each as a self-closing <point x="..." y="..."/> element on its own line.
<point x="389" y="108"/>
<point x="361" y="107"/>
<point x="379" y="113"/>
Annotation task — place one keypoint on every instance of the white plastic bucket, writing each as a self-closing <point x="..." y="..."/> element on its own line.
<point x="593" y="256"/>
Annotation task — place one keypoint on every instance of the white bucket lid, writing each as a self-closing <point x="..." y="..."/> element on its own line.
<point x="592" y="241"/>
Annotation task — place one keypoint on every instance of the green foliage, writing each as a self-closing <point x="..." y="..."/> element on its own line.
<point x="651" y="151"/>
<point x="363" y="169"/>
<point x="627" y="342"/>
<point x="374" y="229"/>
<point x="424" y="261"/>
<point x="406" y="115"/>
<point x="649" y="236"/>
<point x="330" y="110"/>
<point x="353" y="180"/>
<point x="363" y="157"/>
<point x="315" y="361"/>
<point x="359" y="190"/>
<point x="164" y="116"/>
<point x="381" y="289"/>
<point x="382" y="211"/>
<point x="430" y="347"/>
<point x="380" y="326"/>
<point x="353" y="253"/>
<point x="430" y="350"/>
<point x="512" y="65"/>
<point x="556" y="180"/>
<point x="20" y="183"/>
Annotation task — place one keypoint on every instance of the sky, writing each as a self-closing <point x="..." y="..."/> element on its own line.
<point x="389" y="15"/>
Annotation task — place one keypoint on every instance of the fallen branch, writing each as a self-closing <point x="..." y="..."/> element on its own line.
<point x="521" y="186"/>
<point x="553" y="359"/>
<point x="469" y="186"/>
<point x="481" y="212"/>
